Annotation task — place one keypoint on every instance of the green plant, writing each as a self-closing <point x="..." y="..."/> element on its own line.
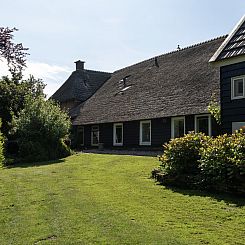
<point x="1" y="146"/>
<point x="214" y="109"/>
<point x="41" y="129"/>
<point x="181" y="155"/>
<point x="223" y="161"/>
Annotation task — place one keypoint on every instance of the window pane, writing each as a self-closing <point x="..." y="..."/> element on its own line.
<point x="238" y="87"/>
<point x="95" y="135"/>
<point x="118" y="136"/>
<point x="237" y="126"/>
<point x="80" y="132"/>
<point x="202" y="125"/>
<point x="179" y="128"/>
<point x="146" y="132"/>
<point x="95" y="138"/>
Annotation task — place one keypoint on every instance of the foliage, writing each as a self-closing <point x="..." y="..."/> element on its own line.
<point x="214" y="109"/>
<point x="181" y="155"/>
<point x="13" y="53"/>
<point x="1" y="146"/>
<point x="42" y="128"/>
<point x="223" y="161"/>
<point x="199" y="161"/>
<point x="12" y="97"/>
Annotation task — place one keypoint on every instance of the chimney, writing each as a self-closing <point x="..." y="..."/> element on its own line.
<point x="79" y="65"/>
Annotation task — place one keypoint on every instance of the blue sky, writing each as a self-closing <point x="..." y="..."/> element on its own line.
<point x="108" y="34"/>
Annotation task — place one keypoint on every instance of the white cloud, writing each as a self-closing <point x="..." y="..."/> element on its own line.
<point x="52" y="75"/>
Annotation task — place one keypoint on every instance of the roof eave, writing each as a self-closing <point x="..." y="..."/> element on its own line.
<point x="223" y="45"/>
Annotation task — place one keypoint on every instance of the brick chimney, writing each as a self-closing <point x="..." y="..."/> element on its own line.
<point x="79" y="65"/>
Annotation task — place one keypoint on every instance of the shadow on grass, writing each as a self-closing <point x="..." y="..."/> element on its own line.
<point x="34" y="164"/>
<point x="145" y="153"/>
<point x="229" y="199"/>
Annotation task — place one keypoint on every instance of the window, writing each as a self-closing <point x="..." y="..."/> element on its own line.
<point x="177" y="127"/>
<point x="203" y="124"/>
<point x="95" y="136"/>
<point x="145" y="133"/>
<point x="118" y="134"/>
<point x="238" y="87"/>
<point x="237" y="126"/>
<point x="80" y="133"/>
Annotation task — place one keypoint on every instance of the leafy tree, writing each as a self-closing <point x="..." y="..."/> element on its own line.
<point x="42" y="128"/>
<point x="1" y="146"/>
<point x="14" y="54"/>
<point x="12" y="97"/>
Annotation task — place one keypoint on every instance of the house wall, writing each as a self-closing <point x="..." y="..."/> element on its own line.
<point x="67" y="105"/>
<point x="231" y="110"/>
<point x="160" y="133"/>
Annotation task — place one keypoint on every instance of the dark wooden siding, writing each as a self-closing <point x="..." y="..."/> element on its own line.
<point x="160" y="132"/>
<point x="106" y="134"/>
<point x="231" y="110"/>
<point x="131" y="134"/>
<point x="87" y="136"/>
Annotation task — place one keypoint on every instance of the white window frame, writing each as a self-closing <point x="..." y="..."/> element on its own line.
<point x="141" y="123"/>
<point x="233" y="79"/>
<point x="92" y="144"/>
<point x="209" y="123"/>
<point x="114" y="134"/>
<point x="172" y="124"/>
<point x="79" y="128"/>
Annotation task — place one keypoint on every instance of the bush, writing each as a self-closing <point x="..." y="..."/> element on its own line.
<point x="222" y="163"/>
<point x="182" y="155"/>
<point x="42" y="128"/>
<point x="199" y="161"/>
<point x="1" y="147"/>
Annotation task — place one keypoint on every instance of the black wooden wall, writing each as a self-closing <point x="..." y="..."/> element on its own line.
<point x="160" y="132"/>
<point x="231" y="110"/>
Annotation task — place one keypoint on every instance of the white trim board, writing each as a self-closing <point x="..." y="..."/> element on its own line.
<point x="209" y="123"/>
<point x="141" y="142"/>
<point x="114" y="134"/>
<point x="92" y="144"/>
<point x="233" y="90"/>
<point x="172" y="125"/>
<point x="227" y="40"/>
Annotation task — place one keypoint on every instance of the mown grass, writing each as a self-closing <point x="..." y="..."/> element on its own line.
<point x="106" y="199"/>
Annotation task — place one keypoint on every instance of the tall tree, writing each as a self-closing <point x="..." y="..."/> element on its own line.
<point x="12" y="97"/>
<point x="15" y="54"/>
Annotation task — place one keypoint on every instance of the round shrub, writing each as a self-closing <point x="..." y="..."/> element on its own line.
<point x="182" y="155"/>
<point x="42" y="128"/>
<point x="222" y="163"/>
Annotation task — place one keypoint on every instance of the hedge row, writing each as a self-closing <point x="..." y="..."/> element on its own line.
<point x="202" y="162"/>
<point x="1" y="146"/>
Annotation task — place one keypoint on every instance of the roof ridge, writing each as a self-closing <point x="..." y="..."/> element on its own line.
<point x="98" y="71"/>
<point x="174" y="51"/>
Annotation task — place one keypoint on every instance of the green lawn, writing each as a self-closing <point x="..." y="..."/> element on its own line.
<point x="104" y="199"/>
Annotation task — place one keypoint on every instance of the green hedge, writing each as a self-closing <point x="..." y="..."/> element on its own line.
<point x="182" y="155"/>
<point x="222" y="163"/>
<point x="203" y="162"/>
<point x="1" y="146"/>
<point x="41" y="128"/>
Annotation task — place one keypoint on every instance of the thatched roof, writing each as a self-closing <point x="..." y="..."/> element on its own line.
<point x="81" y="85"/>
<point x="173" y="84"/>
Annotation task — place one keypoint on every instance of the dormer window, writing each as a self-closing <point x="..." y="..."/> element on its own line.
<point x="238" y="87"/>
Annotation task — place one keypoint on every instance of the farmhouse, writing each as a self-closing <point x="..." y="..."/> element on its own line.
<point x="148" y="103"/>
